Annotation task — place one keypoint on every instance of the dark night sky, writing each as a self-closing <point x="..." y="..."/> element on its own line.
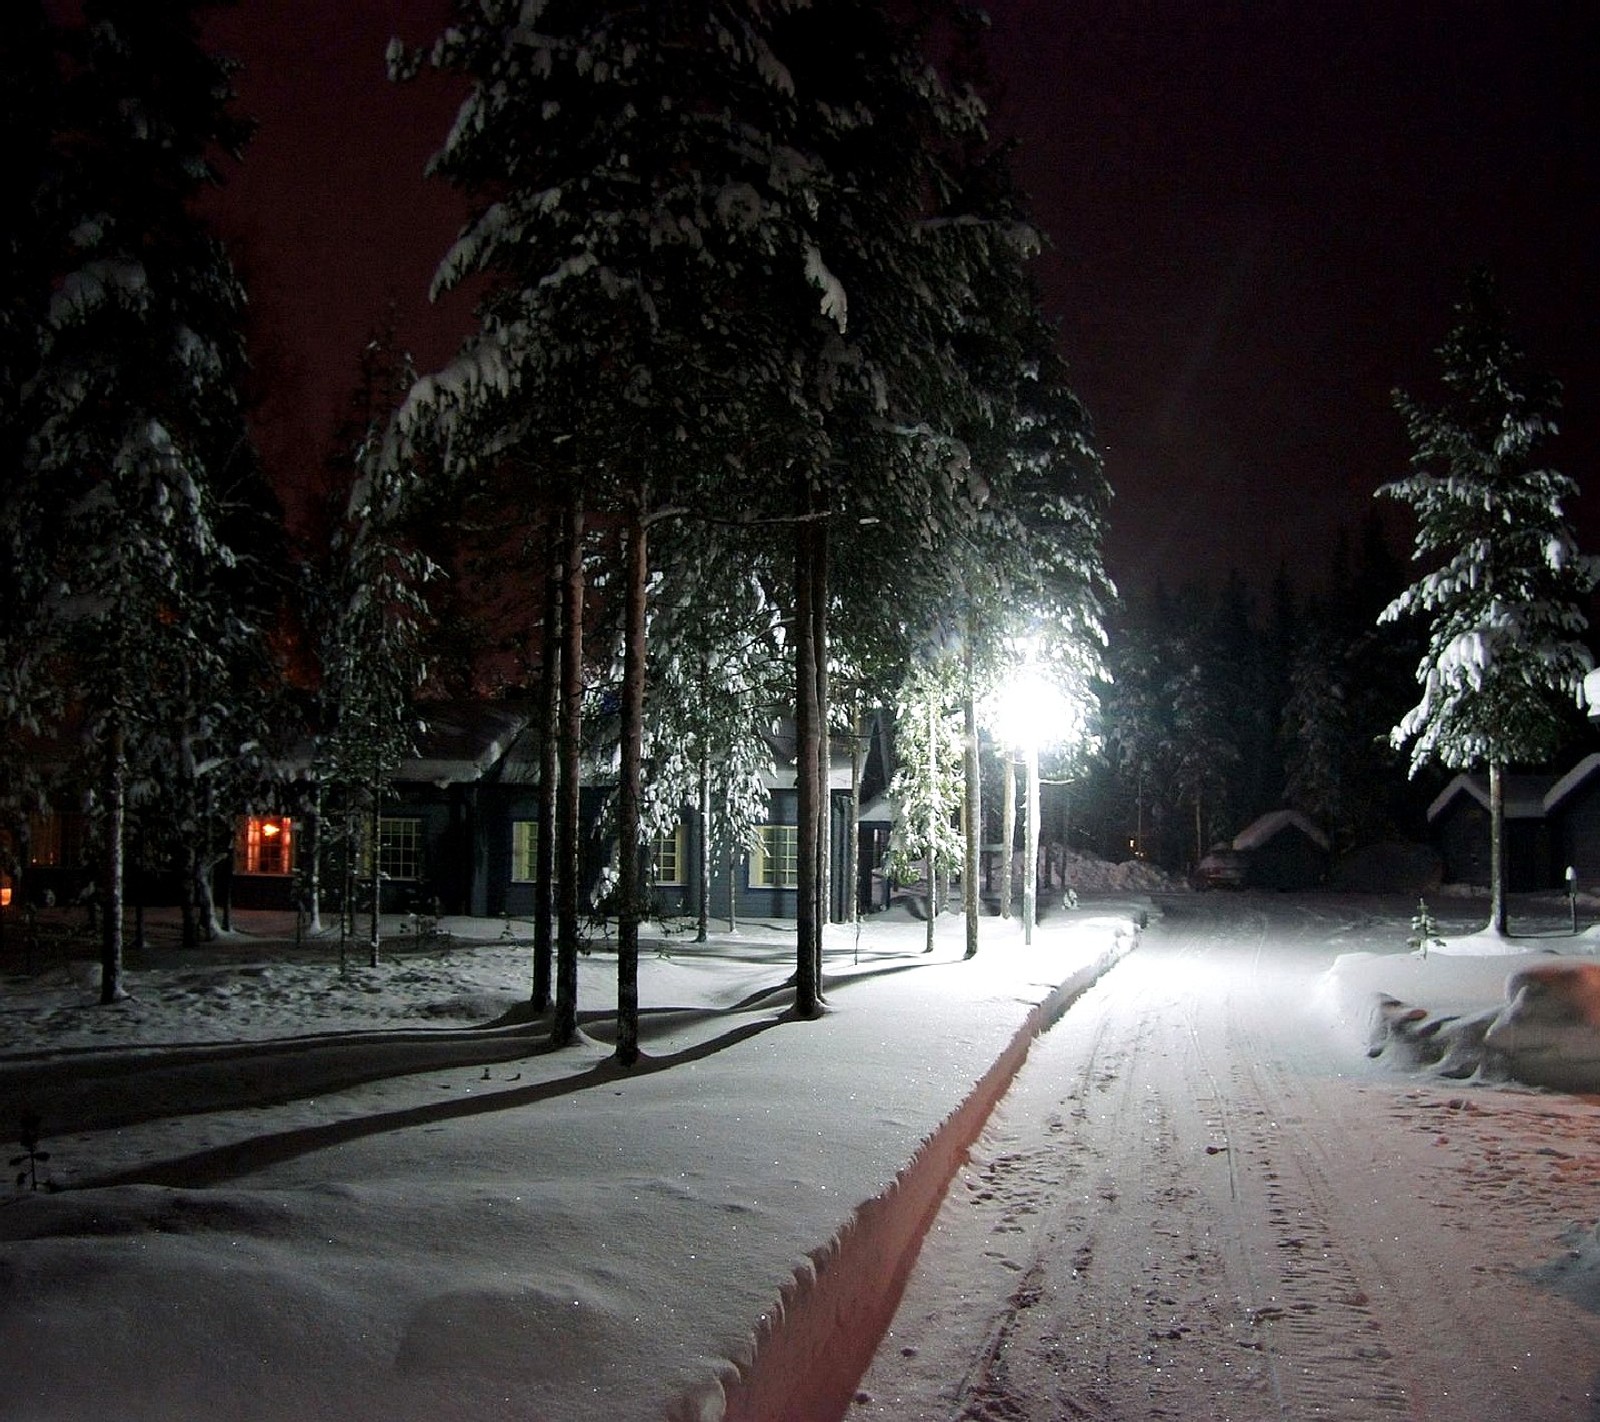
<point x="1261" y="214"/>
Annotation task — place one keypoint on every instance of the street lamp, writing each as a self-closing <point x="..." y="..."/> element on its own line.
<point x="1032" y="713"/>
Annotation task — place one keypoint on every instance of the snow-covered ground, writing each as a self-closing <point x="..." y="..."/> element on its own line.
<point x="1201" y="1198"/>
<point x="279" y="1190"/>
<point x="282" y="1191"/>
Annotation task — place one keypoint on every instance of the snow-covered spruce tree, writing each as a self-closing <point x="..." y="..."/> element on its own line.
<point x="30" y="98"/>
<point x="1504" y="580"/>
<point x="627" y="226"/>
<point x="1200" y="751"/>
<point x="372" y="623"/>
<point x="668" y="315"/>
<point x="929" y="780"/>
<point x="717" y="688"/>
<point x="135" y="419"/>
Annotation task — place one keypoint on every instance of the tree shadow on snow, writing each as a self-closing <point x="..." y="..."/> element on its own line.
<point x="222" y="1164"/>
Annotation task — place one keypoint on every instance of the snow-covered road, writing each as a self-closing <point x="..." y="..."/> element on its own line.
<point x="1201" y="1200"/>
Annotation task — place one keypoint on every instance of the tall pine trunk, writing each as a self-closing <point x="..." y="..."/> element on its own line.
<point x="1030" y="860"/>
<point x="550" y="663"/>
<point x="931" y="863"/>
<point x="564" y="1028"/>
<point x="375" y="871"/>
<point x="1497" y="854"/>
<point x="633" y="676"/>
<point x="852" y="853"/>
<point x="112" y="988"/>
<point x="974" y="811"/>
<point x="313" y="890"/>
<point x="824" y="805"/>
<point x="703" y="859"/>
<point x="805" y="717"/>
<point x="1008" y="831"/>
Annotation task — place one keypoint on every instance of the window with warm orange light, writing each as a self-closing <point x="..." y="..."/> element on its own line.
<point x="266" y="845"/>
<point x="5" y="892"/>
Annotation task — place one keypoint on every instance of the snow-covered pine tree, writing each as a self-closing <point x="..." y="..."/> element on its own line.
<point x="1504" y="581"/>
<point x="372" y="623"/>
<point x="634" y="235"/>
<point x="30" y="98"/>
<point x="717" y="688"/>
<point x="135" y="419"/>
<point x="929" y="780"/>
<point x="670" y="316"/>
<point x="1317" y="731"/>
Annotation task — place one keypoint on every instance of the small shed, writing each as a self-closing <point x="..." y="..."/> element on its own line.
<point x="1572" y="808"/>
<point x="1283" y="850"/>
<point x="1459" y="821"/>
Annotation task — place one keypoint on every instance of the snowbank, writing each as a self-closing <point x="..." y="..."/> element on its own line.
<point x="414" y="1216"/>
<point x="1505" y="1009"/>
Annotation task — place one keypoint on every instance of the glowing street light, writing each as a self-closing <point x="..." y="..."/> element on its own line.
<point x="1032" y="713"/>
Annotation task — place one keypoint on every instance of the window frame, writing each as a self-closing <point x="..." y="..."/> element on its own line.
<point x="675" y="843"/>
<point x="252" y="837"/>
<point x="525" y="854"/>
<point x="390" y="848"/>
<point x="775" y="844"/>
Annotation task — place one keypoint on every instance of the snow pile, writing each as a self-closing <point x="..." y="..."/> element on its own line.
<point x="1477" y="1005"/>
<point x="1089" y="874"/>
<point x="261" y="1212"/>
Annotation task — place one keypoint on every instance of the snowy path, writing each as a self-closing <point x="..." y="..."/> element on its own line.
<point x="1200" y="1201"/>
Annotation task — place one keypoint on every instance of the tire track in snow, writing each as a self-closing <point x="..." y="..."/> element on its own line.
<point x="1169" y="1250"/>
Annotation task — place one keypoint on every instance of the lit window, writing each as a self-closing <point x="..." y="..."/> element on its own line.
<point x="667" y="856"/>
<point x="266" y="845"/>
<point x="776" y="861"/>
<point x="400" y="848"/>
<point x="524" y="851"/>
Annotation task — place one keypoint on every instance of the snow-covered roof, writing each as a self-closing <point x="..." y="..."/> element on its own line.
<point x="1574" y="777"/>
<point x="1525" y="795"/>
<point x="1273" y="823"/>
<point x="462" y="742"/>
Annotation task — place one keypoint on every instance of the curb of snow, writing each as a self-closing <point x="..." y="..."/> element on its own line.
<point x="814" y="1344"/>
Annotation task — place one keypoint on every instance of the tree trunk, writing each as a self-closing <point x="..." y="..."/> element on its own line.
<point x="1497" y="854"/>
<point x="314" y="872"/>
<point x="112" y="988"/>
<point x="564" y="1029"/>
<point x="375" y="881"/>
<point x="974" y="813"/>
<point x="805" y="718"/>
<point x="819" y="619"/>
<point x="1008" y="835"/>
<point x="1030" y="862"/>
<point x="550" y="664"/>
<point x="633" y="674"/>
<point x="931" y="864"/>
<point x="852" y="854"/>
<point x="702" y="929"/>
<point x="205" y="899"/>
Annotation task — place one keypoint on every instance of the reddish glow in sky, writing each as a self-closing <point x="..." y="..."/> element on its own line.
<point x="1261" y="215"/>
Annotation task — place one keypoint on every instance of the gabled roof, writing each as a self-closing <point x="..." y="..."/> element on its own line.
<point x="461" y="741"/>
<point x="1273" y="823"/>
<point x="1569" y="782"/>
<point x="1525" y="795"/>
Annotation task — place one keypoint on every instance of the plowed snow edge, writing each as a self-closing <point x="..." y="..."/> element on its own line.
<point x="814" y="1345"/>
